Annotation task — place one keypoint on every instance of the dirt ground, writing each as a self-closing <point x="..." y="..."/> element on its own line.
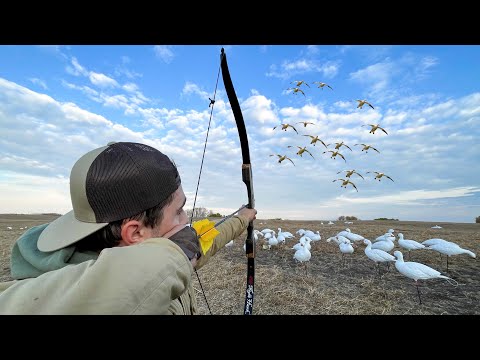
<point x="324" y="286"/>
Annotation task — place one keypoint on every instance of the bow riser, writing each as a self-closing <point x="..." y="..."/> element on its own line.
<point x="247" y="179"/>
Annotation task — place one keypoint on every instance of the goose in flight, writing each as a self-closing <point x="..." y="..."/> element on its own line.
<point x="296" y="90"/>
<point x="299" y="83"/>
<point x="322" y="84"/>
<point x="284" y="157"/>
<point x="367" y="147"/>
<point x="315" y="139"/>
<point x="302" y="150"/>
<point x="340" y="144"/>
<point x="374" y="128"/>
<point x="350" y="173"/>
<point x="416" y="271"/>
<point x="363" y="102"/>
<point x="286" y="126"/>
<point x="345" y="183"/>
<point x="379" y="175"/>
<point x="334" y="154"/>
<point x="305" y="123"/>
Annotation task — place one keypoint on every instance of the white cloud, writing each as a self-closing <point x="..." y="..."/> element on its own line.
<point x="259" y="109"/>
<point x="102" y="80"/>
<point x="431" y="151"/>
<point x="39" y="82"/>
<point x="130" y="87"/>
<point x="378" y="75"/>
<point x="191" y="88"/>
<point x="77" y="69"/>
<point x="164" y="52"/>
<point x="413" y="196"/>
<point x="288" y="69"/>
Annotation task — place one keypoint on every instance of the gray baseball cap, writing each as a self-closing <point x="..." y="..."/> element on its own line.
<point x="111" y="183"/>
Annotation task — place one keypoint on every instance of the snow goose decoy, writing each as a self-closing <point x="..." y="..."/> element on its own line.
<point x="303" y="256"/>
<point x="377" y="255"/>
<point x="345" y="248"/>
<point x="409" y="244"/>
<point x="451" y="249"/>
<point x="417" y="271"/>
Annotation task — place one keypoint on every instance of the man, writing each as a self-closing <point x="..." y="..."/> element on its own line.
<point x="125" y="248"/>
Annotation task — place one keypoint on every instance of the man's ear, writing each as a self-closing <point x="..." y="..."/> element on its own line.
<point x="132" y="233"/>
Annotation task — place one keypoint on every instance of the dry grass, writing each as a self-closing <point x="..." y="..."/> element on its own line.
<point x="281" y="286"/>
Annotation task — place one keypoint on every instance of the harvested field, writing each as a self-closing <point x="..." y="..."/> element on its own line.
<point x="282" y="287"/>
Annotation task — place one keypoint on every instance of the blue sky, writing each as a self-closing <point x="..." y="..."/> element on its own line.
<point x="58" y="102"/>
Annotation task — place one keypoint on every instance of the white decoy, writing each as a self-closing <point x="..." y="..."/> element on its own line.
<point x="338" y="239"/>
<point x="354" y="237"/>
<point x="300" y="232"/>
<point x="303" y="255"/>
<point x="345" y="248"/>
<point x="385" y="236"/>
<point x="416" y="271"/>
<point x="315" y="236"/>
<point x="304" y="241"/>
<point x="436" y="227"/>
<point x="435" y="241"/>
<point x="377" y="255"/>
<point x="267" y="235"/>
<point x="286" y="234"/>
<point x="349" y="235"/>
<point x="257" y="233"/>
<point x="265" y="231"/>
<point x="409" y="244"/>
<point x="386" y="245"/>
<point x="272" y="241"/>
<point x="229" y="244"/>
<point x="334" y="238"/>
<point x="449" y="250"/>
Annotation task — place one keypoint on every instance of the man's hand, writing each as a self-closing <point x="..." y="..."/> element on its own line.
<point x="251" y="214"/>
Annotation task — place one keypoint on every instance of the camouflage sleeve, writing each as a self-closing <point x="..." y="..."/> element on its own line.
<point x="229" y="230"/>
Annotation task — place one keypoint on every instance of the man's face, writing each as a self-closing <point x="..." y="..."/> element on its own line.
<point x="173" y="214"/>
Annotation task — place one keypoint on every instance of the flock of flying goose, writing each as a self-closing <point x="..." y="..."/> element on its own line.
<point x="335" y="152"/>
<point x="378" y="250"/>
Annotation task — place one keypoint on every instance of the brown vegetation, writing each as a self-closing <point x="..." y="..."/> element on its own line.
<point x="281" y="286"/>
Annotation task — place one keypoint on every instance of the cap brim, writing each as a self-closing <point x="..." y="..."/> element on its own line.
<point x="65" y="231"/>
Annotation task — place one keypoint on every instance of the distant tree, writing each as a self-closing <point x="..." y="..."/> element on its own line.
<point x="212" y="214"/>
<point x="200" y="212"/>
<point x="477" y="220"/>
<point x="343" y="218"/>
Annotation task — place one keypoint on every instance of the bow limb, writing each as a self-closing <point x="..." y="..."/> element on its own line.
<point x="247" y="179"/>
